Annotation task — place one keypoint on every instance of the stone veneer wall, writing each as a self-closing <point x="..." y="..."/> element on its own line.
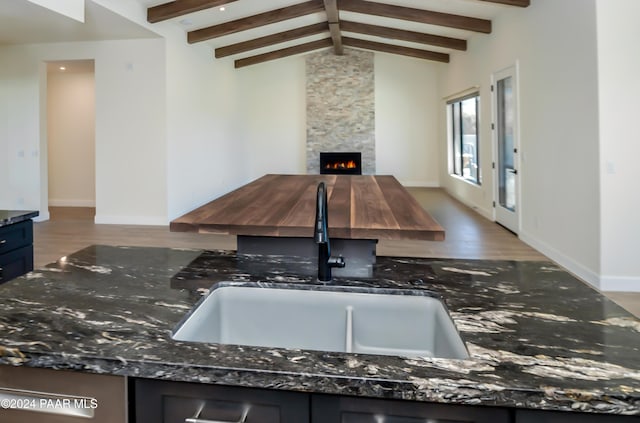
<point x="340" y="106"/>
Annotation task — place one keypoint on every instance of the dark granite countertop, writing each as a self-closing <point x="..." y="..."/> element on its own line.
<point x="9" y="217"/>
<point x="538" y="338"/>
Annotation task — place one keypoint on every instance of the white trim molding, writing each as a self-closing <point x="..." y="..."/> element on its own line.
<point x="71" y="203"/>
<point x="577" y="269"/>
<point x="620" y="283"/>
<point x="131" y="220"/>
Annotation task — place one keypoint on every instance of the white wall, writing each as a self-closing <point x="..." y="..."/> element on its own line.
<point x="273" y="105"/>
<point x="19" y="131"/>
<point x="273" y="109"/>
<point x="130" y="134"/>
<point x="554" y="43"/>
<point x="407" y="119"/>
<point x="71" y="138"/>
<point x="619" y="91"/>
<point x="202" y="142"/>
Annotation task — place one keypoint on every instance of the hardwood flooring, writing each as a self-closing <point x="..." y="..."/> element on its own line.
<point x="468" y="235"/>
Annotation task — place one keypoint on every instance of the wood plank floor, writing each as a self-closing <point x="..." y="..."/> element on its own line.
<point x="468" y="236"/>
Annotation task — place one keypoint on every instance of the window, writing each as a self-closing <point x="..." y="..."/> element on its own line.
<point x="463" y="133"/>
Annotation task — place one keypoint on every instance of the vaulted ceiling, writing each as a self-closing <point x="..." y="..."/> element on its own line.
<point x="255" y="31"/>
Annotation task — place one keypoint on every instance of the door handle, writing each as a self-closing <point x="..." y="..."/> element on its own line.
<point x="196" y="417"/>
<point x="3" y="241"/>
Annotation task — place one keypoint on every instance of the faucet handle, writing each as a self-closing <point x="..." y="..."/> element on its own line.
<point x="336" y="261"/>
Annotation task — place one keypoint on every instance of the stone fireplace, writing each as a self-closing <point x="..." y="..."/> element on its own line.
<point x="340" y="108"/>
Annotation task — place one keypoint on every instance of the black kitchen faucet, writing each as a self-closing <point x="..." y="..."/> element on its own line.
<point x="321" y="237"/>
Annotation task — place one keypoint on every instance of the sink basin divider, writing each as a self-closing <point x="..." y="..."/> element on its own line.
<point x="349" y="332"/>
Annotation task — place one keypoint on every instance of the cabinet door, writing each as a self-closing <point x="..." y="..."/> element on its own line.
<point x="176" y="402"/>
<point x="59" y="396"/>
<point x="16" y="263"/>
<point x="16" y="236"/>
<point x="530" y="416"/>
<point x="334" y="409"/>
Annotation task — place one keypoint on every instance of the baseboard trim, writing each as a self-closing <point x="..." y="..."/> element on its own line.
<point x="420" y="184"/>
<point x="486" y="213"/>
<point x="130" y="220"/>
<point x="578" y="270"/>
<point x="620" y="284"/>
<point x="71" y="203"/>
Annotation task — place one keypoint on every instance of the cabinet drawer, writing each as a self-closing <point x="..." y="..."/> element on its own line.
<point x="174" y="402"/>
<point x="16" y="263"/>
<point x="334" y="409"/>
<point x="16" y="236"/>
<point x="532" y="416"/>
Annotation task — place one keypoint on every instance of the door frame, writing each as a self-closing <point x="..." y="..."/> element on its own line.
<point x="513" y="71"/>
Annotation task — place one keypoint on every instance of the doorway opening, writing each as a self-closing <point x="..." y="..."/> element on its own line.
<point x="71" y="134"/>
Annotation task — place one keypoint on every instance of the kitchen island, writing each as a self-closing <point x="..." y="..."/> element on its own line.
<point x="538" y="339"/>
<point x="360" y="207"/>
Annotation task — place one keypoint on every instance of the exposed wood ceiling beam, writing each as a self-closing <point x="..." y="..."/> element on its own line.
<point x="388" y="48"/>
<point x="521" y="3"/>
<point x="177" y="8"/>
<point x="401" y="34"/>
<point x="417" y="15"/>
<point x="256" y="21"/>
<point x="269" y="40"/>
<point x="331" y="7"/>
<point x="278" y="54"/>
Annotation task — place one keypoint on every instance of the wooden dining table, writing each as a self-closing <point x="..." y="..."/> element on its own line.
<point x="368" y="207"/>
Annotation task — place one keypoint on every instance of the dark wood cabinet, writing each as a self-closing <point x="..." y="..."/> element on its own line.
<point x="60" y="396"/>
<point x="338" y="409"/>
<point x="180" y="402"/>
<point x="16" y="250"/>
<point x="532" y="416"/>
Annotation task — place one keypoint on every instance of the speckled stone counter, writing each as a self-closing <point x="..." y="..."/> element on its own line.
<point x="538" y="338"/>
<point x="9" y="217"/>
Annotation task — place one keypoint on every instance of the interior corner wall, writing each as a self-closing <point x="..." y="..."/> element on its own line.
<point x="203" y="126"/>
<point x="273" y="111"/>
<point x="407" y="100"/>
<point x="20" y="130"/>
<point x="204" y="134"/>
<point x="619" y="90"/>
<point x="558" y="91"/>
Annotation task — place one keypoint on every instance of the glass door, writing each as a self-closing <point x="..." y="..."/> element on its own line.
<point x="506" y="134"/>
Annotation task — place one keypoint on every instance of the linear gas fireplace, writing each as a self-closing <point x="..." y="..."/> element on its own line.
<point x="340" y="163"/>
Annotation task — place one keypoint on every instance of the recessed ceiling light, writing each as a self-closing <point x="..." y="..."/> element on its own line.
<point x="222" y="9"/>
<point x="62" y="68"/>
<point x="186" y="22"/>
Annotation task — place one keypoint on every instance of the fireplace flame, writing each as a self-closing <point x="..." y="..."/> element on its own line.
<point x="341" y="165"/>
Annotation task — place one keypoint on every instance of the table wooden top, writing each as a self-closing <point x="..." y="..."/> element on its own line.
<point x="360" y="207"/>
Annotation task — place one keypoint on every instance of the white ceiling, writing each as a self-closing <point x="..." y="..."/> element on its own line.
<point x="22" y="22"/>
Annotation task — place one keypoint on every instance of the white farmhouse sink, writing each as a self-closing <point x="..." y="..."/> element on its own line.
<point x="325" y="319"/>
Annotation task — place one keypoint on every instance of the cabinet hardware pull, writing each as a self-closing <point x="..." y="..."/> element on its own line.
<point x="3" y="241"/>
<point x="196" y="417"/>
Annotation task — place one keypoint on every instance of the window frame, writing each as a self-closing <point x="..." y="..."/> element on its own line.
<point x="456" y="144"/>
